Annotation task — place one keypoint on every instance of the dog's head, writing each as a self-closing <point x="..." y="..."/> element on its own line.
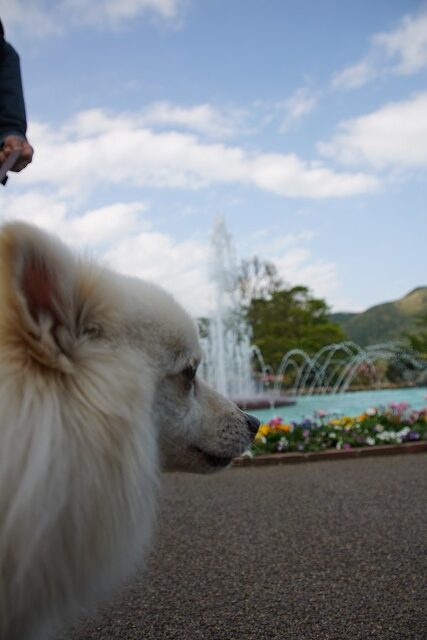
<point x="199" y="429"/>
<point x="67" y="320"/>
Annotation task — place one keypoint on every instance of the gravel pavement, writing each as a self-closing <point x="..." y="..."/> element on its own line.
<point x="319" y="551"/>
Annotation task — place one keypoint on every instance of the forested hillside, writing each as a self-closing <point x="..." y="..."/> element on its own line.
<point x="384" y="322"/>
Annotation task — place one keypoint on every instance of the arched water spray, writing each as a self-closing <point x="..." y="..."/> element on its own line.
<point x="289" y="360"/>
<point x="319" y="380"/>
<point x="335" y="367"/>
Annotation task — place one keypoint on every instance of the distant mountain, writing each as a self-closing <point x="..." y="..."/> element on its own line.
<point x="384" y="322"/>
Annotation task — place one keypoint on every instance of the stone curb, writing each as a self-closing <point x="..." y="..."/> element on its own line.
<point x="331" y="454"/>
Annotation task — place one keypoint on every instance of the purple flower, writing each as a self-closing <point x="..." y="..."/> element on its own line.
<point x="411" y="437"/>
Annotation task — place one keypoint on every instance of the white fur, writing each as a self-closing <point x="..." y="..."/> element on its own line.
<point x="94" y="399"/>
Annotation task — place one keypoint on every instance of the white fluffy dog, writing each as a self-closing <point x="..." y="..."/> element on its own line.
<point x="98" y="391"/>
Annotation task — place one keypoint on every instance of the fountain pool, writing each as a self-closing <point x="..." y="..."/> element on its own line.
<point x="350" y="403"/>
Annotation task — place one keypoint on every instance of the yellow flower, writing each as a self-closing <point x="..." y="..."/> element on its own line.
<point x="264" y="430"/>
<point x="259" y="437"/>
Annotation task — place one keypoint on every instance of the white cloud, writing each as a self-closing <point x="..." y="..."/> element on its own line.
<point x="47" y="211"/>
<point x="34" y="17"/>
<point x="268" y="242"/>
<point x="354" y="76"/>
<point x="100" y="227"/>
<point x="203" y="118"/>
<point x="39" y="18"/>
<point x="297" y="266"/>
<point x="121" y="237"/>
<point x="399" y="52"/>
<point x="95" y="149"/>
<point x="407" y="46"/>
<point x="293" y="256"/>
<point x="301" y="103"/>
<point x="180" y="267"/>
<point x="114" y="13"/>
<point x="394" y="136"/>
<point x="288" y="176"/>
<point x="94" y="229"/>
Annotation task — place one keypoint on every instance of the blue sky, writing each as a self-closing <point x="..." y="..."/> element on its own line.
<point x="304" y="124"/>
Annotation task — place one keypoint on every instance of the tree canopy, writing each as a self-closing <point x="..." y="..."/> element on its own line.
<point x="257" y="278"/>
<point x="291" y="318"/>
<point x="418" y="340"/>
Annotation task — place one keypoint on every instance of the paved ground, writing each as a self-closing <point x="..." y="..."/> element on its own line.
<point x="318" y="551"/>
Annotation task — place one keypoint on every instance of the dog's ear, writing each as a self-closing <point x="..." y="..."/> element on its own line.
<point x="37" y="293"/>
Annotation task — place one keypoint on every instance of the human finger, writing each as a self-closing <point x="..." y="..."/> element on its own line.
<point x="25" y="157"/>
<point x="11" y="143"/>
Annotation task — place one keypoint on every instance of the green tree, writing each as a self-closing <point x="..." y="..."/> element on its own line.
<point x="418" y="340"/>
<point x="257" y="278"/>
<point x="291" y="318"/>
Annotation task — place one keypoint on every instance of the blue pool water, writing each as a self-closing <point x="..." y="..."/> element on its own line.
<point x="350" y="404"/>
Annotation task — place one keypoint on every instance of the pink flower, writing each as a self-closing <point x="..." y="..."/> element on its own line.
<point x="398" y="407"/>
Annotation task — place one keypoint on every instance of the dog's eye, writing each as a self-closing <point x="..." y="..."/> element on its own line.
<point x="189" y="373"/>
<point x="92" y="331"/>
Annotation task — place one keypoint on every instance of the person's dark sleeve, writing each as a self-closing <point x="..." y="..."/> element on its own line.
<point x="12" y="106"/>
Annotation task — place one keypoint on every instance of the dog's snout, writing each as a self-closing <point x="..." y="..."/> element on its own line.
<point x="253" y="424"/>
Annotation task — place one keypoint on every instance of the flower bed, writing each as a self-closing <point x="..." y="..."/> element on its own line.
<point x="393" y="424"/>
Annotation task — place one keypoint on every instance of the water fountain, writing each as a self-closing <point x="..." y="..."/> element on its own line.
<point x="230" y="356"/>
<point x="336" y="366"/>
<point x="228" y="349"/>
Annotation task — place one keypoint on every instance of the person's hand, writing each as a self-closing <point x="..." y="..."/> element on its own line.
<point x="11" y="143"/>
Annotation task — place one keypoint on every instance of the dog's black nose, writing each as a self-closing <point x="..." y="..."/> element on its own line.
<point x="253" y="424"/>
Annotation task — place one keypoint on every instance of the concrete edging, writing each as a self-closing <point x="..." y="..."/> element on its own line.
<point x="331" y="454"/>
